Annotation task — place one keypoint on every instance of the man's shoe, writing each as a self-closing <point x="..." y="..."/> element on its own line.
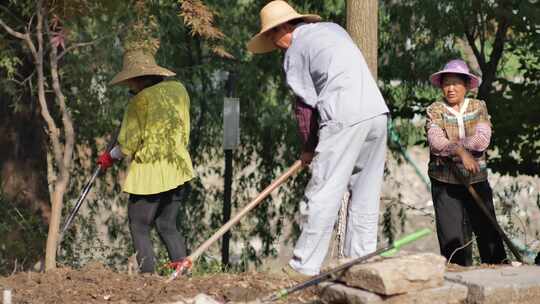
<point x="293" y="274"/>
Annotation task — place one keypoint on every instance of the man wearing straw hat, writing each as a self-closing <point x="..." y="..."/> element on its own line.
<point x="342" y="118"/>
<point x="154" y="134"/>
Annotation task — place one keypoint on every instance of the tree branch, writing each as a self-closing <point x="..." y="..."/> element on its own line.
<point x="31" y="46"/>
<point x="498" y="44"/>
<point x="7" y="10"/>
<point x="87" y="43"/>
<point x="471" y="40"/>
<point x="469" y="31"/>
<point x="25" y="37"/>
<point x="29" y="25"/>
<point x="78" y="45"/>
<point x="54" y="133"/>
<point x="490" y="71"/>
<point x="69" y="133"/>
<point x="11" y="31"/>
<point x="74" y="46"/>
<point x="484" y="25"/>
<point x="27" y="79"/>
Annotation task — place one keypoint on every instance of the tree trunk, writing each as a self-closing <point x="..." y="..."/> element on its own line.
<point x="61" y="149"/>
<point x="64" y="158"/>
<point x="57" y="199"/>
<point x="362" y="25"/>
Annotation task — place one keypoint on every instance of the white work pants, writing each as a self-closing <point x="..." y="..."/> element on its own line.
<point x="346" y="158"/>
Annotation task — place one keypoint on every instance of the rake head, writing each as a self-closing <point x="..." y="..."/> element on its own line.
<point x="181" y="267"/>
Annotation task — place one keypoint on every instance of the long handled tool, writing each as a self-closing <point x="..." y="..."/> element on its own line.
<point x="186" y="264"/>
<point x="85" y="191"/>
<point x="480" y="203"/>
<point x="386" y="252"/>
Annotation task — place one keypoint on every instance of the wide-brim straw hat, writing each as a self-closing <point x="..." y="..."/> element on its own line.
<point x="456" y="66"/>
<point x="273" y="14"/>
<point x="139" y="63"/>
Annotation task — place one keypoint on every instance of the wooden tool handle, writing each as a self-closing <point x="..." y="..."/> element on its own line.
<point x="276" y="183"/>
<point x="480" y="204"/>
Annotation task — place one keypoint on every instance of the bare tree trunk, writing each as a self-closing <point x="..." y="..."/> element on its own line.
<point x="54" y="137"/>
<point x="362" y="25"/>
<point x="62" y="152"/>
<point x="64" y="159"/>
<point x="64" y="165"/>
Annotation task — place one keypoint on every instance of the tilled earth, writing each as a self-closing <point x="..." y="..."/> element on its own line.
<point x="98" y="284"/>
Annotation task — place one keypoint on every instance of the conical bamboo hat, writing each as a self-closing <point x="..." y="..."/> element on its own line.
<point x="273" y="14"/>
<point x="137" y="63"/>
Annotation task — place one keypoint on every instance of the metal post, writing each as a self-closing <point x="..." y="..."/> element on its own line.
<point x="227" y="193"/>
<point x="230" y="125"/>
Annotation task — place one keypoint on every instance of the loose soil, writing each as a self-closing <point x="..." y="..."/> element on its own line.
<point x="98" y="284"/>
<point x="458" y="268"/>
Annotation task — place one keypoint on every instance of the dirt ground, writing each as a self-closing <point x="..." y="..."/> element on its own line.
<point x="98" y="284"/>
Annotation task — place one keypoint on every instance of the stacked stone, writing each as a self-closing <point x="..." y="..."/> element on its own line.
<point x="421" y="279"/>
<point x="417" y="278"/>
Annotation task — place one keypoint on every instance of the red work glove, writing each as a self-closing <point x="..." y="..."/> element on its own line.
<point x="105" y="160"/>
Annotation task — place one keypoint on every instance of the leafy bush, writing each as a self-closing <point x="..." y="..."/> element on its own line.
<point x="23" y="237"/>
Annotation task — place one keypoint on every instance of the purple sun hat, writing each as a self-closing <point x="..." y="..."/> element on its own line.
<point x="456" y="66"/>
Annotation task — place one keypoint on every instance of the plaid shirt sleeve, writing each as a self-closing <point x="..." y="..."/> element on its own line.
<point x="484" y="116"/>
<point x="439" y="144"/>
<point x="480" y="140"/>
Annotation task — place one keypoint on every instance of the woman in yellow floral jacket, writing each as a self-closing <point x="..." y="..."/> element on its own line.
<point x="154" y="135"/>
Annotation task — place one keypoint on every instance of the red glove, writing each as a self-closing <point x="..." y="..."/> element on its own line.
<point x="105" y="160"/>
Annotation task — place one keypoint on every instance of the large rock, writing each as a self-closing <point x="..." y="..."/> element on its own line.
<point x="201" y="298"/>
<point x="398" y="275"/>
<point x="448" y="293"/>
<point x="502" y="285"/>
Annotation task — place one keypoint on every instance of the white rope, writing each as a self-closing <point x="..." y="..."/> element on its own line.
<point x="6" y="299"/>
<point x="342" y="225"/>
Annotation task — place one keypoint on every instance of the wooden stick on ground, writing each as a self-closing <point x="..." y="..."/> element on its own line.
<point x="480" y="203"/>
<point x="276" y="183"/>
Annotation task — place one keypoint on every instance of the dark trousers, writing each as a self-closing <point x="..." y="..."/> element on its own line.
<point x="457" y="216"/>
<point x="161" y="209"/>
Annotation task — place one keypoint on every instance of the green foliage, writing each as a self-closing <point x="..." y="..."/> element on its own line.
<point x="513" y="108"/>
<point x="207" y="266"/>
<point x="143" y="31"/>
<point x="23" y="237"/>
<point x="511" y="211"/>
<point x="515" y="216"/>
<point x="10" y="65"/>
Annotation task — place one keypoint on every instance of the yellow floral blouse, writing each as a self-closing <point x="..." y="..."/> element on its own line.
<point x="155" y="134"/>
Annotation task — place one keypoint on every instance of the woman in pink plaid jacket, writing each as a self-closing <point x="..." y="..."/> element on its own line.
<point x="458" y="132"/>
